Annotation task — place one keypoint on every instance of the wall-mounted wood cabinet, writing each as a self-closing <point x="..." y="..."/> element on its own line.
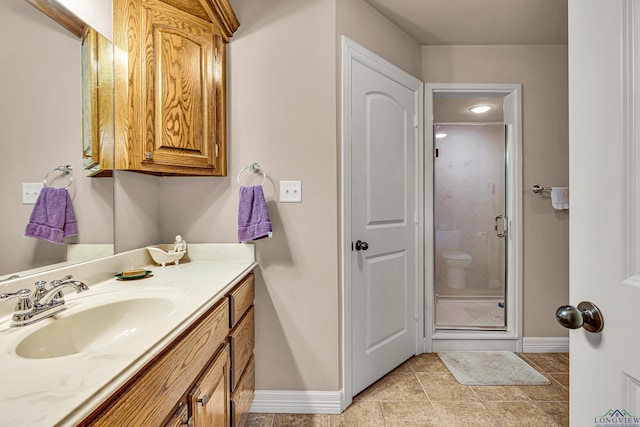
<point x="170" y="104"/>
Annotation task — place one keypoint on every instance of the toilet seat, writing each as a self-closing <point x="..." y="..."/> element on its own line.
<point x="456" y="255"/>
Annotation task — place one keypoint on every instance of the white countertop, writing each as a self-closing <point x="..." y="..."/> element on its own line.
<point x="64" y="390"/>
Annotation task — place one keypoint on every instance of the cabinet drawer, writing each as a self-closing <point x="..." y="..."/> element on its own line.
<point x="240" y="299"/>
<point x="168" y="378"/>
<point x="242" y="341"/>
<point x="242" y="397"/>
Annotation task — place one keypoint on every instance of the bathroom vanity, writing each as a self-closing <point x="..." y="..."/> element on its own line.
<point x="174" y="348"/>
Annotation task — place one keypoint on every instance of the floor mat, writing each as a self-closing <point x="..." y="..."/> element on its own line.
<point x="490" y="368"/>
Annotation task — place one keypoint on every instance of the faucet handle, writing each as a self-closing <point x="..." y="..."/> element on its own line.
<point x="40" y="291"/>
<point x="56" y="283"/>
<point x="24" y="302"/>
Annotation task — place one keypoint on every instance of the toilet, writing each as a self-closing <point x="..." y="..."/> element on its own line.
<point x="455" y="261"/>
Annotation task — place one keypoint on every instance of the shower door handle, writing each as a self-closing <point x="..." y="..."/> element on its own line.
<point x="500" y="219"/>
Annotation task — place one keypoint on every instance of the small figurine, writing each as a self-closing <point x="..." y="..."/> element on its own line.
<point x="179" y="245"/>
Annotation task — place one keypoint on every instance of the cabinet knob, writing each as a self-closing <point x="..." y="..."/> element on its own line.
<point x="148" y="155"/>
<point x="204" y="399"/>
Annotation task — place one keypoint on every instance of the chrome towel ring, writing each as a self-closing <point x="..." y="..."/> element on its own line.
<point x="66" y="170"/>
<point x="255" y="168"/>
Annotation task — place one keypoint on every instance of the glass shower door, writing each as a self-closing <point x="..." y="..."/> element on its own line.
<point x="470" y="226"/>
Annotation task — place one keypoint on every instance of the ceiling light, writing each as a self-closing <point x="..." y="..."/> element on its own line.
<point x="441" y="135"/>
<point x="479" y="109"/>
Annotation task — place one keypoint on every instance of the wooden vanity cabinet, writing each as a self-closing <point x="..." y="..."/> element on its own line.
<point x="170" y="105"/>
<point x="205" y="377"/>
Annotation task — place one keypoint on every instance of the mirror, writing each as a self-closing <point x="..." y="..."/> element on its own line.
<point x="42" y="123"/>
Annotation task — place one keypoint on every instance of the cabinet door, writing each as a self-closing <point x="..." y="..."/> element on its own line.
<point x="209" y="400"/>
<point x="174" y="116"/>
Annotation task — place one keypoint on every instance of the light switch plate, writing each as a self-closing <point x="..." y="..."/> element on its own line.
<point x="30" y="192"/>
<point x="290" y="191"/>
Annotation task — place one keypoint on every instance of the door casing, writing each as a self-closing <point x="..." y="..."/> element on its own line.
<point x="511" y="339"/>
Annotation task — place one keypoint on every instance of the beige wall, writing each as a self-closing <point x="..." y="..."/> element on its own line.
<point x="542" y="70"/>
<point x="363" y="24"/>
<point x="282" y="102"/>
<point x="41" y="122"/>
<point x="282" y="109"/>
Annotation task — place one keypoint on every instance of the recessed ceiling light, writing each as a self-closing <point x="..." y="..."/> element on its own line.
<point x="441" y="135"/>
<point x="479" y="109"/>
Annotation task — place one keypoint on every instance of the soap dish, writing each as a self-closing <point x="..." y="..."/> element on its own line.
<point x="162" y="257"/>
<point x="147" y="273"/>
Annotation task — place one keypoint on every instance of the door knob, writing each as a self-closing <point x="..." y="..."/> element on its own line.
<point x="360" y="245"/>
<point x="587" y="315"/>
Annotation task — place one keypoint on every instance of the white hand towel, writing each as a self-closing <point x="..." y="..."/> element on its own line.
<point x="560" y="197"/>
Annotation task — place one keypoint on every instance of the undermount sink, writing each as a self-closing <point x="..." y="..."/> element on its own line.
<point x="96" y="326"/>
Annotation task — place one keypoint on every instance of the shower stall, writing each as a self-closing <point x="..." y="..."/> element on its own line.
<point x="473" y="258"/>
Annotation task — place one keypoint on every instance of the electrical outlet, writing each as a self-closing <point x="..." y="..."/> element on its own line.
<point x="290" y="191"/>
<point x="30" y="192"/>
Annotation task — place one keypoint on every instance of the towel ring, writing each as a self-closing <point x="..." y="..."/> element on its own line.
<point x="66" y="170"/>
<point x="255" y="168"/>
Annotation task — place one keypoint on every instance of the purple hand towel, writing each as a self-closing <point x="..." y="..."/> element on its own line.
<point x="253" y="216"/>
<point x="52" y="218"/>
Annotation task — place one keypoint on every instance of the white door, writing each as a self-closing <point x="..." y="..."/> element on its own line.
<point x="384" y="152"/>
<point x="604" y="126"/>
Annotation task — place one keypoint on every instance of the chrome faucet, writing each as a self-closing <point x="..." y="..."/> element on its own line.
<point x="43" y="303"/>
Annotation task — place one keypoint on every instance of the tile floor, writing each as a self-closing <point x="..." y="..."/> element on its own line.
<point x="422" y="392"/>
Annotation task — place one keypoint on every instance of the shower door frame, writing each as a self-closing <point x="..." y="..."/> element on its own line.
<point x="511" y="338"/>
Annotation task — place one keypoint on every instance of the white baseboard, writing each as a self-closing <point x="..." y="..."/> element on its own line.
<point x="298" y="402"/>
<point x="545" y="344"/>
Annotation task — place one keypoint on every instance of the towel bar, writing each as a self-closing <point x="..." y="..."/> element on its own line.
<point x="65" y="169"/>
<point x="537" y="189"/>
<point x="255" y="168"/>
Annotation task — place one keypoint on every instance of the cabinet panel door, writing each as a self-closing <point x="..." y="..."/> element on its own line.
<point x="182" y="91"/>
<point x="209" y="400"/>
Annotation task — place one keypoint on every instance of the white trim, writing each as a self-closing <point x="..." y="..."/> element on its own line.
<point x="630" y="137"/>
<point x="545" y="345"/>
<point x="514" y="209"/>
<point x="353" y="51"/>
<point x="298" y="402"/>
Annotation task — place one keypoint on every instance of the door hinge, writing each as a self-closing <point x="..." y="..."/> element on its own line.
<point x="416" y="122"/>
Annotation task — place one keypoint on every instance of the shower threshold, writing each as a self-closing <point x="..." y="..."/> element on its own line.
<point x="470" y="314"/>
